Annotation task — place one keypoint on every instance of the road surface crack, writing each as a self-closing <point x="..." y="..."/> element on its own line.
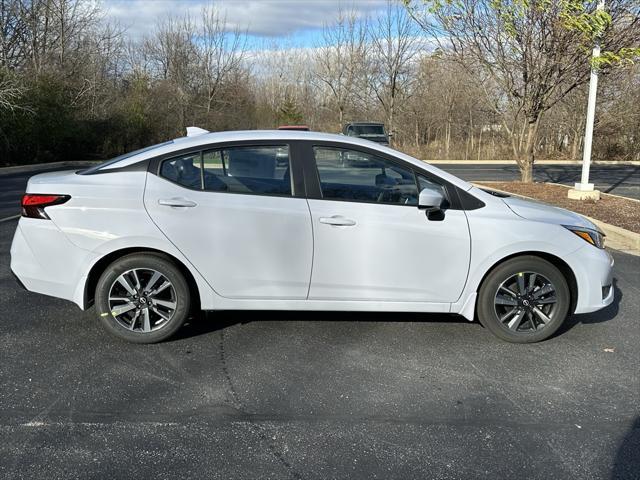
<point x="260" y="430"/>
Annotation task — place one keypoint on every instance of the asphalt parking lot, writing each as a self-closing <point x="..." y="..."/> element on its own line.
<point x="316" y="396"/>
<point x="621" y="180"/>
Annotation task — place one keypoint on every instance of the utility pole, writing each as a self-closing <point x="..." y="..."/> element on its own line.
<point x="584" y="190"/>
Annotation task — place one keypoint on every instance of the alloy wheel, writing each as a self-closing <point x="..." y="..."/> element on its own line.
<point x="525" y="302"/>
<point x="142" y="300"/>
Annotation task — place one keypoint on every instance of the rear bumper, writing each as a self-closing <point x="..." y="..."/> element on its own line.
<point x="593" y="269"/>
<point x="44" y="261"/>
<point x="18" y="281"/>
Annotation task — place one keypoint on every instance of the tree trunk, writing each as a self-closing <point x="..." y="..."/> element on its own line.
<point x="575" y="148"/>
<point x="526" y="164"/>
<point x="447" y="137"/>
<point x="390" y="122"/>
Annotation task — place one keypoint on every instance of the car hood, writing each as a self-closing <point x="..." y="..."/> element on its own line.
<point x="541" y="212"/>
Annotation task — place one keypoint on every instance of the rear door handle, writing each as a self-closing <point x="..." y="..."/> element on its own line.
<point x="338" y="220"/>
<point x="176" y="202"/>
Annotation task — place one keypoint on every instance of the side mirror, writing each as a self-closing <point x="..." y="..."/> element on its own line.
<point x="430" y="199"/>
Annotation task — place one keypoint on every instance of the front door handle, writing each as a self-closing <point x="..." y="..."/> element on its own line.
<point x="338" y="220"/>
<point x="176" y="202"/>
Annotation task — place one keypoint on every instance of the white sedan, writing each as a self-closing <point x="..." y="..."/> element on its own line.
<point x="287" y="220"/>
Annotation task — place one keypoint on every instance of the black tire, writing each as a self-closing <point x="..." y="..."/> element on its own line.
<point x="168" y="321"/>
<point x="530" y="327"/>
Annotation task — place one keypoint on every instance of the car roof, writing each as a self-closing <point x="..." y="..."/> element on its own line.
<point x="234" y="136"/>
<point x="277" y="135"/>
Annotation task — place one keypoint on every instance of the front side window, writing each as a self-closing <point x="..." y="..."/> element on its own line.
<point x="424" y="182"/>
<point x="351" y="175"/>
<point x="256" y="169"/>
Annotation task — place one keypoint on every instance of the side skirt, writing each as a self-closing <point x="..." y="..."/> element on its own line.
<point x="330" y="305"/>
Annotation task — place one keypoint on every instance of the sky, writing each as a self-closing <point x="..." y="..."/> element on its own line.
<point x="264" y="20"/>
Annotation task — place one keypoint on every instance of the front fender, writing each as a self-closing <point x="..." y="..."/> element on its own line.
<point x="495" y="239"/>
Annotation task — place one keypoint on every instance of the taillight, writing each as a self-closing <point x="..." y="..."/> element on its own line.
<point x="33" y="204"/>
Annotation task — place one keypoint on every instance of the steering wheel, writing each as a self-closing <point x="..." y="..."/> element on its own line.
<point x="386" y="194"/>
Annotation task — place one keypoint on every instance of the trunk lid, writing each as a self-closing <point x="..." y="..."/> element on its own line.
<point x="51" y="179"/>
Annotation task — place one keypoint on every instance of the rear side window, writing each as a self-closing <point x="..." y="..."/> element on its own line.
<point x="351" y="175"/>
<point x="185" y="170"/>
<point x="258" y="170"/>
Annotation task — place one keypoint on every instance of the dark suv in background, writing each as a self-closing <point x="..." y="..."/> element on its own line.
<point x="368" y="130"/>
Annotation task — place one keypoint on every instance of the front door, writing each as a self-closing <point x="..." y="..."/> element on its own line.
<point x="232" y="212"/>
<point x="371" y="242"/>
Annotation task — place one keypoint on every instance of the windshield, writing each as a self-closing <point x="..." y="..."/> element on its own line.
<point x="95" y="168"/>
<point x="367" y="130"/>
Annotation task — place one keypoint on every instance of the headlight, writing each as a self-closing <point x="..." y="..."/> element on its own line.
<point x="594" y="237"/>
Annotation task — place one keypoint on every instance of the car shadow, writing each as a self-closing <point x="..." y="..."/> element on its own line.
<point x="626" y="464"/>
<point x="203" y="323"/>
<point x="556" y="174"/>
<point x="609" y="178"/>
<point x="619" y="181"/>
<point x="604" y="315"/>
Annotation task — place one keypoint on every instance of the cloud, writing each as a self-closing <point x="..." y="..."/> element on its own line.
<point x="265" y="18"/>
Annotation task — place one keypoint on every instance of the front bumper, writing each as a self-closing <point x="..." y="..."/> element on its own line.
<point x="593" y="269"/>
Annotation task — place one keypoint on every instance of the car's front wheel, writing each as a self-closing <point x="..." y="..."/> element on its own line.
<point x="142" y="298"/>
<point x="524" y="300"/>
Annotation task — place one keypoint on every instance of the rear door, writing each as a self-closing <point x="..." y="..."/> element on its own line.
<point x="236" y="213"/>
<point x="371" y="242"/>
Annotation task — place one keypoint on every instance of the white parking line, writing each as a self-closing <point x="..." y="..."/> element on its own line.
<point x="6" y="219"/>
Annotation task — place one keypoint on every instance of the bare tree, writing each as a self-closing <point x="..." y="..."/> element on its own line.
<point x="536" y="51"/>
<point x="10" y="92"/>
<point x="283" y="74"/>
<point x="68" y="75"/>
<point x="340" y="61"/>
<point x="394" y="47"/>
<point x="12" y="30"/>
<point x="42" y="32"/>
<point x="220" y="52"/>
<point x="174" y="61"/>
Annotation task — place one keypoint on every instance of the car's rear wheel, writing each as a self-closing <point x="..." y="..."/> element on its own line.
<point x="142" y="298"/>
<point x="524" y="300"/>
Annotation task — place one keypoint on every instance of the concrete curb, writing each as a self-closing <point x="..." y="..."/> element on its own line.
<point x="40" y="166"/>
<point x="618" y="238"/>
<point x="538" y="162"/>
<point x="602" y="193"/>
